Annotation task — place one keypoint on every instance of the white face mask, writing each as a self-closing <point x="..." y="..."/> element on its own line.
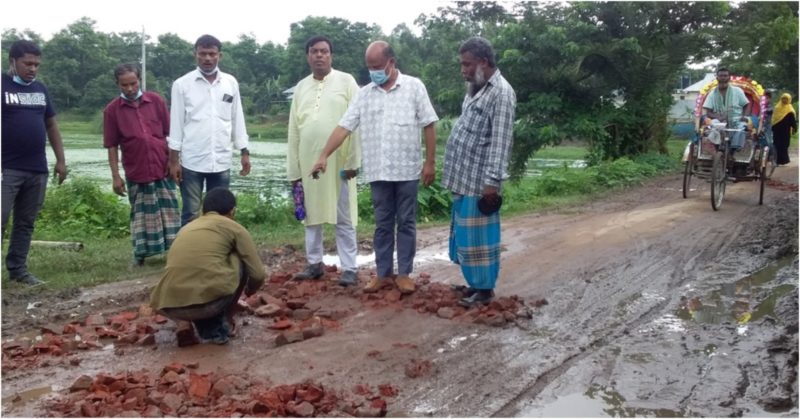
<point x="207" y="73"/>
<point x="138" y="95"/>
<point x="17" y="79"/>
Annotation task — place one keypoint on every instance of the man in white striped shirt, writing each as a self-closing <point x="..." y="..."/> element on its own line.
<point x="206" y="122"/>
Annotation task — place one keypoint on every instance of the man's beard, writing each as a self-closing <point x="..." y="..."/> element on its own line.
<point x="474" y="86"/>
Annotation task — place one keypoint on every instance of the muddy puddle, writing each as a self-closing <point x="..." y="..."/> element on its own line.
<point x="747" y="300"/>
<point x="597" y="401"/>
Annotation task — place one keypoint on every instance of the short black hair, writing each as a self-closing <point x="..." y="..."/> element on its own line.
<point x="208" y="41"/>
<point x="721" y="69"/>
<point x="126" y="68"/>
<point x="21" y="47"/>
<point x="220" y="200"/>
<point x="479" y="48"/>
<point x="316" y="39"/>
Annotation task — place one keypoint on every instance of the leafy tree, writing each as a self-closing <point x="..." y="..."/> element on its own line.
<point x="77" y="56"/>
<point x="350" y="41"/>
<point x="168" y="60"/>
<point x="760" y="40"/>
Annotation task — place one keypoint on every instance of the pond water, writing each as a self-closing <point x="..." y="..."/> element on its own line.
<point x="86" y="158"/>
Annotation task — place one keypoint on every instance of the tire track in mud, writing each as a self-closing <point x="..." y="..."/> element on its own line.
<point x="682" y="263"/>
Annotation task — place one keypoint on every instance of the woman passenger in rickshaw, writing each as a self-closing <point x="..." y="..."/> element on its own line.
<point x="728" y="103"/>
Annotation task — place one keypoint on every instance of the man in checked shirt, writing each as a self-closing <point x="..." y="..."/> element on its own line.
<point x="475" y="163"/>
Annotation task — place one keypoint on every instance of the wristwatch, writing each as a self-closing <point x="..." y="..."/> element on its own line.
<point x="245" y="151"/>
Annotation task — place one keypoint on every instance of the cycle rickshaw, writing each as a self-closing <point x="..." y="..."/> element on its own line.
<point x="709" y="155"/>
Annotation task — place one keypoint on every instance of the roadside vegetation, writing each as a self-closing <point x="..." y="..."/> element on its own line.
<point x="81" y="211"/>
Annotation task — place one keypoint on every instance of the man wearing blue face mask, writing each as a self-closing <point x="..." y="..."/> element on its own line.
<point x="390" y="113"/>
<point x="206" y="123"/>
<point x="137" y="123"/>
<point x="29" y="119"/>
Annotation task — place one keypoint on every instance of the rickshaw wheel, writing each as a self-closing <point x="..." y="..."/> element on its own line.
<point x="717" y="180"/>
<point x="688" y="171"/>
<point x="772" y="162"/>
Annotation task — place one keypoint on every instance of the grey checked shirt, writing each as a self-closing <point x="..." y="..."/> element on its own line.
<point x="479" y="146"/>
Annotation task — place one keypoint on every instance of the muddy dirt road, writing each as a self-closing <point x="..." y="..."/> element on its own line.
<point x="655" y="306"/>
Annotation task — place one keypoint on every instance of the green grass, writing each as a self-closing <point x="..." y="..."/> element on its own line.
<point x="79" y="211"/>
<point x="562" y="152"/>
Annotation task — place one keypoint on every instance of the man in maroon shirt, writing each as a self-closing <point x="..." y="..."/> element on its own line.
<point x="138" y="123"/>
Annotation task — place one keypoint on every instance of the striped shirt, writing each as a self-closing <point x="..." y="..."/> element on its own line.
<point x="479" y="146"/>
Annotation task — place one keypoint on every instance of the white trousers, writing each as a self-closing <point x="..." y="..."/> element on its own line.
<point x="346" y="244"/>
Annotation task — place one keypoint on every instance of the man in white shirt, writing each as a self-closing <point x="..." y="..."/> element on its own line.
<point x="206" y="120"/>
<point x="389" y="113"/>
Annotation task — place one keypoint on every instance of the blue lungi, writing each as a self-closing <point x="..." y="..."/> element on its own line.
<point x="475" y="242"/>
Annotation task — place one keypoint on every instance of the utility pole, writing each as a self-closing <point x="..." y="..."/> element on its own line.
<point x="144" y="63"/>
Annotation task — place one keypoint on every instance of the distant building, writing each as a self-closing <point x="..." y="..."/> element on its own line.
<point x="682" y="110"/>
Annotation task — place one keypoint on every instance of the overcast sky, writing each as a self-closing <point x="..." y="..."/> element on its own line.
<point x="225" y="19"/>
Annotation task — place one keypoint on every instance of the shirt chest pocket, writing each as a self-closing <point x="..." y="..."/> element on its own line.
<point x="224" y="105"/>
<point x="479" y="125"/>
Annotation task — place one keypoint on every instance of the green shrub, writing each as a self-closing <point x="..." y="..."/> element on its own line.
<point x="269" y="208"/>
<point x="660" y="162"/>
<point x="80" y="209"/>
<point x="564" y="181"/>
<point x="620" y="172"/>
<point x="433" y="203"/>
<point x="364" y="199"/>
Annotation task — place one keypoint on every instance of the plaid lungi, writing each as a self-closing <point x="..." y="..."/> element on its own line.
<point x="155" y="219"/>
<point x="475" y="242"/>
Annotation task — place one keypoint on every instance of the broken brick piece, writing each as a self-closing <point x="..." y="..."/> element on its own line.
<point x="302" y="409"/>
<point x="82" y="383"/>
<point x="174" y="366"/>
<point x="310" y="393"/>
<point x="199" y="386"/>
<point x="296" y="303"/>
<point x="268" y="310"/>
<point x="285" y="392"/>
<point x="281" y="324"/>
<point x="170" y="377"/>
<point x="289" y="336"/>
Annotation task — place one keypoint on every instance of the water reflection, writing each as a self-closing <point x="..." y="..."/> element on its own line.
<point x="86" y="158"/>
<point x="597" y="401"/>
<point x="268" y="160"/>
<point x="734" y="302"/>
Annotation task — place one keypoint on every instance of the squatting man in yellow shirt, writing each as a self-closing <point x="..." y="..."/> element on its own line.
<point x="211" y="262"/>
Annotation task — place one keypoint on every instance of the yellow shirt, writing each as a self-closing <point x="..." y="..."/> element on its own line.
<point x="204" y="261"/>
<point x="316" y="109"/>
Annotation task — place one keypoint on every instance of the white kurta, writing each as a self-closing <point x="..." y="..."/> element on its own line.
<point x="316" y="109"/>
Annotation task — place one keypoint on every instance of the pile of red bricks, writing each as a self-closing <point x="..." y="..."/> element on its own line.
<point x="126" y="328"/>
<point x="430" y="297"/>
<point x="441" y="300"/>
<point x="181" y="391"/>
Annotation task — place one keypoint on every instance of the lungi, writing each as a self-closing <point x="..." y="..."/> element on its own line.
<point x="155" y="219"/>
<point x="475" y="242"/>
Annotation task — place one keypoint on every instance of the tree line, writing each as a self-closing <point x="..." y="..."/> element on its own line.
<point x="602" y="72"/>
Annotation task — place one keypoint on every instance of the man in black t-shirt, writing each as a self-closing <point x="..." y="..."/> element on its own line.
<point x="29" y="119"/>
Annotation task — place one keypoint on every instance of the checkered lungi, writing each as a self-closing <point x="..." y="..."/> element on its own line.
<point x="155" y="219"/>
<point x="475" y="242"/>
